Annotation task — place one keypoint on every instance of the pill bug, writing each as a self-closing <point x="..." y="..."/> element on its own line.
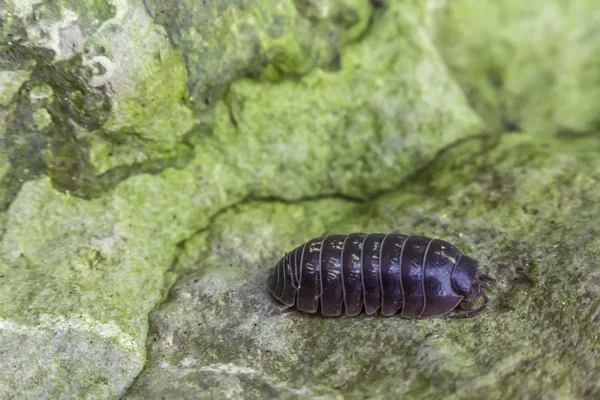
<point x="415" y="276"/>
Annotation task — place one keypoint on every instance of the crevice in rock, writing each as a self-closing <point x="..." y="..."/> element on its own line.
<point x="304" y="199"/>
<point x="376" y="13"/>
<point x="563" y="132"/>
<point x="148" y="9"/>
<point x="488" y="142"/>
<point x="114" y="176"/>
<point x="232" y="118"/>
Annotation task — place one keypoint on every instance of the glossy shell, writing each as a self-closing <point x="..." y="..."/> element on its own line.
<point x="413" y="276"/>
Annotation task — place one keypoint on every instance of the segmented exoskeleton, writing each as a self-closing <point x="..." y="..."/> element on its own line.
<point x="415" y="276"/>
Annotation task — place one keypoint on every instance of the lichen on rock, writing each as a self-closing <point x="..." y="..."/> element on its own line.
<point x="224" y="40"/>
<point x="220" y="324"/>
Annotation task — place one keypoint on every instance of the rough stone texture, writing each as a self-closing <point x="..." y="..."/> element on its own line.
<point x="223" y="40"/>
<point x="147" y="143"/>
<point x="527" y="210"/>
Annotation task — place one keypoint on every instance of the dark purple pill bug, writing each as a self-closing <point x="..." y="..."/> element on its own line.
<point x="414" y="276"/>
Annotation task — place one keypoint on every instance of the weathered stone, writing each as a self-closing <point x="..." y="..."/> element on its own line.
<point x="224" y="40"/>
<point x="147" y="142"/>
<point x="527" y="210"/>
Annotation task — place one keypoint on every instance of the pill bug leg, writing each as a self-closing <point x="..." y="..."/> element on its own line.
<point x="487" y="278"/>
<point x="472" y="313"/>
<point x="486" y="282"/>
<point x="280" y="309"/>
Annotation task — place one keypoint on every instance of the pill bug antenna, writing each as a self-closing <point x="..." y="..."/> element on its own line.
<point x="487" y="278"/>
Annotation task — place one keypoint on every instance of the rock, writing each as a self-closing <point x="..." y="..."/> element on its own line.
<point x="526" y="210"/>
<point x="148" y="143"/>
<point x="525" y="66"/>
<point x="77" y="280"/>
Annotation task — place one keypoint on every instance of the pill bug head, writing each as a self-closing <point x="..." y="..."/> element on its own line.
<point x="470" y="282"/>
<point x="466" y="277"/>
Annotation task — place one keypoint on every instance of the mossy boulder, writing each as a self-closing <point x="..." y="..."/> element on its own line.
<point x="527" y="210"/>
<point x="157" y="158"/>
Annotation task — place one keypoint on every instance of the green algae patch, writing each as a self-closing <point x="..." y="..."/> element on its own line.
<point x="146" y="80"/>
<point x="58" y="26"/>
<point x="42" y="135"/>
<point x="357" y="131"/>
<point x="224" y="40"/>
<point x="10" y="81"/>
<point x="526" y="65"/>
<point x="42" y="118"/>
<point x="220" y="333"/>
<point x="77" y="279"/>
<point x="105" y="90"/>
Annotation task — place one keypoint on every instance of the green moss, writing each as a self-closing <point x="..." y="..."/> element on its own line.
<point x="10" y="81"/>
<point x="42" y="119"/>
<point x="222" y="41"/>
<point x="147" y="81"/>
<point x="348" y="129"/>
<point x="157" y="110"/>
